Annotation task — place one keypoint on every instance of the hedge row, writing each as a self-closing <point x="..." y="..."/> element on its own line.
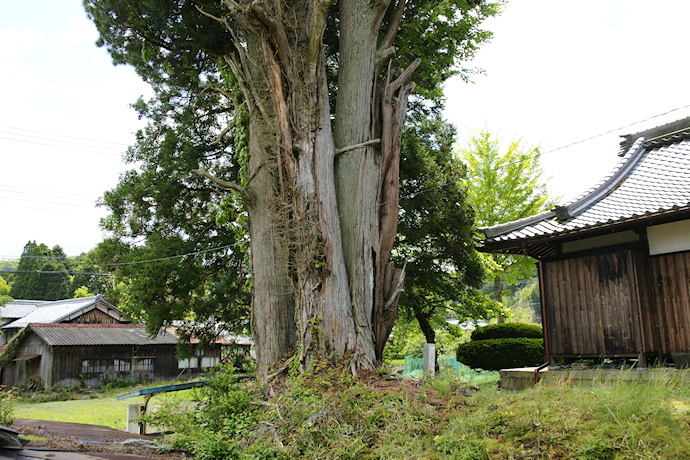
<point x="503" y="353"/>
<point x="507" y="331"/>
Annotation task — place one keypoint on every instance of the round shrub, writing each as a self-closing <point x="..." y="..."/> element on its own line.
<point x="496" y="354"/>
<point x="507" y="331"/>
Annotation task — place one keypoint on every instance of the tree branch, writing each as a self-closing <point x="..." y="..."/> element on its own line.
<point x="224" y="132"/>
<point x="223" y="21"/>
<point x="398" y="82"/>
<point x="226" y="185"/>
<point x="316" y="29"/>
<point x="356" y="146"/>
<point x="393" y="27"/>
<point x="216" y="87"/>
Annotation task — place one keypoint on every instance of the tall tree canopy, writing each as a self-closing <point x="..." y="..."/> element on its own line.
<point x="297" y="108"/>
<point x="504" y="186"/>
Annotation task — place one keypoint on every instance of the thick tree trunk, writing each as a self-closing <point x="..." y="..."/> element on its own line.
<point x="358" y="170"/>
<point x="320" y="238"/>
<point x="425" y="326"/>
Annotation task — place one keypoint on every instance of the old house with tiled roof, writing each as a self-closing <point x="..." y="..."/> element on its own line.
<point x="66" y="340"/>
<point x="84" y="310"/>
<point x="614" y="264"/>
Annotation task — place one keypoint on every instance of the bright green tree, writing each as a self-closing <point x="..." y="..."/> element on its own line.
<point x="4" y="287"/>
<point x="504" y="185"/>
<point x="4" y="292"/>
<point x="307" y="101"/>
<point x="82" y="291"/>
<point x="41" y="274"/>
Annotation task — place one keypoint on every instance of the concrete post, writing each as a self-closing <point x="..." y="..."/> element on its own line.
<point x="134" y="412"/>
<point x="429" y="360"/>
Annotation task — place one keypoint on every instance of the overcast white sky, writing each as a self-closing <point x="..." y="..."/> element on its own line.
<point x="557" y="72"/>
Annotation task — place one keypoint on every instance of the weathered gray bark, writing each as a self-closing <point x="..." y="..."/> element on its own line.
<point x="322" y="229"/>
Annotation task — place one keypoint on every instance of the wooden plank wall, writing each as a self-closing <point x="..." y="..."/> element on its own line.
<point x="593" y="305"/>
<point x="68" y="361"/>
<point x="94" y="316"/>
<point x="669" y="313"/>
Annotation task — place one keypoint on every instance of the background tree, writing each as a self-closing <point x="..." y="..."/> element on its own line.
<point x="41" y="274"/>
<point x="4" y="292"/>
<point x="88" y="276"/>
<point x="4" y="287"/>
<point x="315" y="99"/>
<point x="435" y="232"/>
<point x="502" y="187"/>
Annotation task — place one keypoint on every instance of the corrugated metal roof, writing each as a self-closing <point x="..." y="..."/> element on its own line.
<point x="652" y="178"/>
<point x="54" y="312"/>
<point x="99" y="334"/>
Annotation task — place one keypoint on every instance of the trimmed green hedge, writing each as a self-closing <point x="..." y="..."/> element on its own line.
<point x="496" y="354"/>
<point x="507" y="331"/>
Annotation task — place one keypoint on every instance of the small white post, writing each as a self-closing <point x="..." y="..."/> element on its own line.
<point x="429" y="361"/>
<point x="134" y="424"/>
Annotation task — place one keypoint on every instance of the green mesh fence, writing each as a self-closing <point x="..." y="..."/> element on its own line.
<point x="413" y="368"/>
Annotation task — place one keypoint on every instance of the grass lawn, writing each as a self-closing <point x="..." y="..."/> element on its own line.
<point x="104" y="410"/>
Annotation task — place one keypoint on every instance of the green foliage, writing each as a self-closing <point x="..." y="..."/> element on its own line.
<point x="507" y="331"/>
<point x="110" y="383"/>
<point x="82" y="291"/>
<point x="435" y="231"/>
<point x="4" y="288"/>
<point x="496" y="354"/>
<point x="12" y="348"/>
<point x="6" y="408"/>
<point x="4" y="299"/>
<point x="502" y="187"/>
<point x="53" y="285"/>
<point x="222" y="414"/>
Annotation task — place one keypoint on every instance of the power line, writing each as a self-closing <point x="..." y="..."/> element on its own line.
<point x="64" y="135"/>
<point x="119" y="149"/>
<point x="47" y="202"/>
<point x="32" y="190"/>
<point x="56" y="272"/>
<point x="409" y="196"/>
<point x="60" y="146"/>
<point x="611" y="131"/>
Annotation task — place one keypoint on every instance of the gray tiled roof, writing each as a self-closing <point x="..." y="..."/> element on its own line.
<point x="59" y="310"/>
<point x="98" y="334"/>
<point x="20" y="308"/>
<point x="14" y="310"/>
<point x="652" y="178"/>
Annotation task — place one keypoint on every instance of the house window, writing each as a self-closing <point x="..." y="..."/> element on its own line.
<point x="209" y="361"/>
<point x="101" y="366"/>
<point x="188" y="363"/>
<point x="143" y="364"/>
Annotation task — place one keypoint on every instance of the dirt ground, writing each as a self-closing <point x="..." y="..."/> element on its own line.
<point x="78" y="437"/>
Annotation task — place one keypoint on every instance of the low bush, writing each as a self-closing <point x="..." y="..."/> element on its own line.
<point x="507" y="331"/>
<point x="496" y="354"/>
<point x="6" y="408"/>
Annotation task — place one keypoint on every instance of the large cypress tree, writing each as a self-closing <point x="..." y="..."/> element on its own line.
<point x="308" y="100"/>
